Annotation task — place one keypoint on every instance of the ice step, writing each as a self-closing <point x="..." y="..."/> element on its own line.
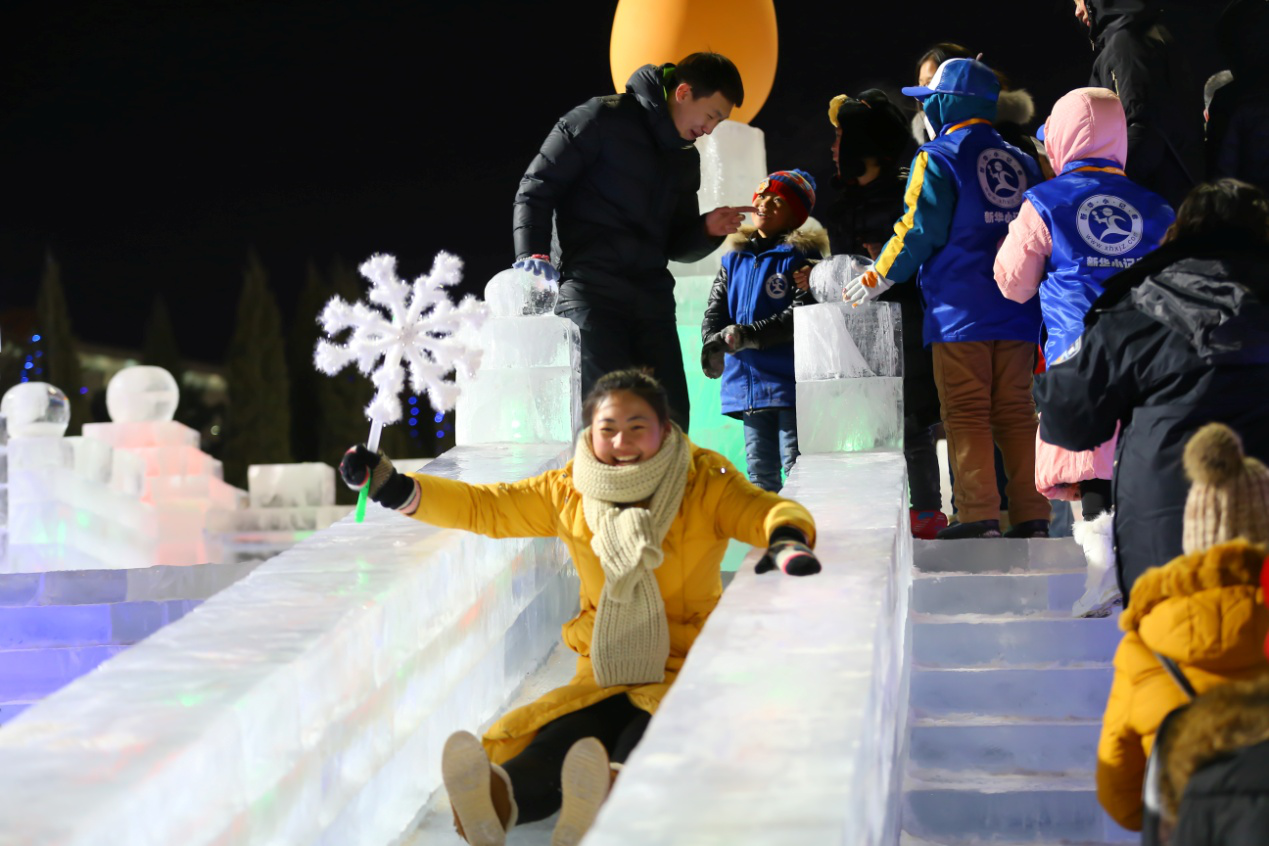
<point x="143" y="584"/>
<point x="120" y="623"/>
<point x="1002" y="745"/>
<point x="31" y="674"/>
<point x="998" y="555"/>
<point x="985" y="807"/>
<point x="965" y="640"/>
<point x="1056" y="693"/>
<point x="1004" y="593"/>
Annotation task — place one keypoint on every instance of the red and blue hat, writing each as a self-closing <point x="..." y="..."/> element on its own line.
<point x="966" y="77"/>
<point x="795" y="187"/>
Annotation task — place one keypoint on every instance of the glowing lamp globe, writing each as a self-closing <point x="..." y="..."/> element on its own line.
<point x="142" y="394"/>
<point x="654" y="32"/>
<point x="35" y="410"/>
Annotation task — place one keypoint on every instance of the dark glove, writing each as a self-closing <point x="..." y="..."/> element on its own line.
<point x="787" y="550"/>
<point x="737" y="338"/>
<point x="361" y="467"/>
<point x="713" y="356"/>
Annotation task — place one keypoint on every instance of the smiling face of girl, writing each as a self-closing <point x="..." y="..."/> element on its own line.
<point x="625" y="429"/>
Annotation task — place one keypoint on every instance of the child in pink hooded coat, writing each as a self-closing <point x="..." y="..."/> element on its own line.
<point x="1071" y="235"/>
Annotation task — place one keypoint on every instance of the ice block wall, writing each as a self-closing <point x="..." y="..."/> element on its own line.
<point x="849" y="368"/>
<point x="786" y="722"/>
<point x="308" y="702"/>
<point x="527" y="389"/>
<point x="286" y="504"/>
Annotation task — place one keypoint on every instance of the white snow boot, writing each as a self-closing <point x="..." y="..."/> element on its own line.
<point x="1101" y="587"/>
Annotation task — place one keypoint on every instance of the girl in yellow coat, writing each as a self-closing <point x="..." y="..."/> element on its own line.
<point x="1205" y="610"/>
<point x="646" y="516"/>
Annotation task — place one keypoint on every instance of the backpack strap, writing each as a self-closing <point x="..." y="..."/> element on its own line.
<point x="1177" y="676"/>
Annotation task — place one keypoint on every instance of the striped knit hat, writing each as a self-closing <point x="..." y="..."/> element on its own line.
<point x="796" y="187"/>
<point x="1229" y="497"/>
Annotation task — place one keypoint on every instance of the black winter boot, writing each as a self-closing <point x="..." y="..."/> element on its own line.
<point x="977" y="529"/>
<point x="1029" y="529"/>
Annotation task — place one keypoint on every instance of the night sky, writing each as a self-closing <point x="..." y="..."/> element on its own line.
<point x="150" y="144"/>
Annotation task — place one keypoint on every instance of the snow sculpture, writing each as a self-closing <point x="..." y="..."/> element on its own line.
<point x="414" y="325"/>
<point x="142" y="394"/>
<point x="35" y="410"/>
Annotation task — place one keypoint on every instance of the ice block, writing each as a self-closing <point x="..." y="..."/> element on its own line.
<point x="519" y="405"/>
<point x="291" y="485"/>
<point x="786" y="723"/>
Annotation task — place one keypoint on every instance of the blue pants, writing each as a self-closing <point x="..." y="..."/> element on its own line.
<point x="771" y="442"/>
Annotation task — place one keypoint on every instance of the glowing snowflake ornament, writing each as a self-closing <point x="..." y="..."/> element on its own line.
<point x="415" y="326"/>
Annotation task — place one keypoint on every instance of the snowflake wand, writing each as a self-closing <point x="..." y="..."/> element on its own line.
<point x="414" y="326"/>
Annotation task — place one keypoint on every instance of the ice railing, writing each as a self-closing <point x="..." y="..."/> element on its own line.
<point x="306" y="703"/>
<point x="786" y="724"/>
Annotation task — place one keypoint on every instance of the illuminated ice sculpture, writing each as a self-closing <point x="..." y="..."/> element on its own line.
<point x="35" y="410"/>
<point x="142" y="394"/>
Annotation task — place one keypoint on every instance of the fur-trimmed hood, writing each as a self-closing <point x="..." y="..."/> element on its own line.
<point x="1206" y="607"/>
<point x="1015" y="106"/>
<point x="808" y="240"/>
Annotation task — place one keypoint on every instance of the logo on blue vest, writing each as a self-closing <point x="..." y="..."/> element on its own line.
<point x="1109" y="225"/>
<point x="777" y="286"/>
<point x="1002" y="178"/>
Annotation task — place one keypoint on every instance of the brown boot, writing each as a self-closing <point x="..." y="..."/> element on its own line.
<point x="584" y="780"/>
<point x="479" y="792"/>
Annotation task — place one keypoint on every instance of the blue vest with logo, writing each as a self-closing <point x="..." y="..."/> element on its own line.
<point x="958" y="283"/>
<point x="760" y="285"/>
<point x="1100" y="222"/>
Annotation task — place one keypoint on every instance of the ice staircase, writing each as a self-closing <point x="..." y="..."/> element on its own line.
<point x="1007" y="693"/>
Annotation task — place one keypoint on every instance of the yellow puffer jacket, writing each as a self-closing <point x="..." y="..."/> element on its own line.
<point x="1205" y="611"/>
<point x="718" y="504"/>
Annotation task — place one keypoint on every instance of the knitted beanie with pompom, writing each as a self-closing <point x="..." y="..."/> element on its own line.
<point x="1229" y="494"/>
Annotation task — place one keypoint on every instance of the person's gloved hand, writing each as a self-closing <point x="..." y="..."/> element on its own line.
<point x="865" y="287"/>
<point x="787" y="550"/>
<point x="713" y="356"/>
<point x="361" y="467"/>
<point x="737" y="338"/>
<point x="539" y="265"/>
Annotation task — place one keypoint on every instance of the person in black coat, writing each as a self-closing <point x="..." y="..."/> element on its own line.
<point x="1178" y="340"/>
<point x="1238" y="124"/>
<point x="619" y="176"/>
<point x="1137" y="58"/>
<point x="871" y="140"/>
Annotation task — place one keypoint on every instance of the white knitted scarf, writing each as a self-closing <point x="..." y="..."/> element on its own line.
<point x="631" y="639"/>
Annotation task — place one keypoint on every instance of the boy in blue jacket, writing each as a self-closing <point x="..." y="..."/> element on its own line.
<point x="965" y="186"/>
<point x="748" y="325"/>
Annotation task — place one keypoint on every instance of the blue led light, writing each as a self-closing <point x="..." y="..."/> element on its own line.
<point x="28" y="365"/>
<point x="84" y="389"/>
<point x="39" y="353"/>
<point x="439" y="418"/>
<point x="35" y="338"/>
<point x="414" y="400"/>
<point x="414" y="421"/>
<point x="414" y="412"/>
<point x="440" y="433"/>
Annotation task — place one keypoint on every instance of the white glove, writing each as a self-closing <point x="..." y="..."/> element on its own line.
<point x="865" y="287"/>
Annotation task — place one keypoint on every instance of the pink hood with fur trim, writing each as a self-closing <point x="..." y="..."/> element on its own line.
<point x="1087" y="123"/>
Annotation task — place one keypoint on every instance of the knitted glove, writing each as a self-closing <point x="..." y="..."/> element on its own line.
<point x="361" y="467"/>
<point x="787" y="550"/>
<point x="713" y="355"/>
<point x="539" y="266"/>
<point x="865" y="287"/>
<point x="738" y="338"/>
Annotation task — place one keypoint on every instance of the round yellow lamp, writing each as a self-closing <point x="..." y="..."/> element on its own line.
<point x="658" y="31"/>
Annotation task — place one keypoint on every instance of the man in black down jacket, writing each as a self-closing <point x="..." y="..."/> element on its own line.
<point x="620" y="175"/>
<point x="1238" y="130"/>
<point x="1178" y="340"/>
<point x="1138" y="59"/>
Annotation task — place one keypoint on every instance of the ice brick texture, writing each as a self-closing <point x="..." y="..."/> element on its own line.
<point x="309" y="701"/>
<point x="528" y="387"/>
<point x="287" y="503"/>
<point x="785" y="723"/>
<point x="830" y="277"/>
<point x="849" y="367"/>
<point x="1007" y="693"/>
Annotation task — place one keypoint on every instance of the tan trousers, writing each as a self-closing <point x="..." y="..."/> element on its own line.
<point x="985" y="390"/>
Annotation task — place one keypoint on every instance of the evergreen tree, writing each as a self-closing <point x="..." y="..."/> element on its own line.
<point x="57" y="357"/>
<point x="307" y="421"/>
<point x="258" y="426"/>
<point x="159" y="348"/>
